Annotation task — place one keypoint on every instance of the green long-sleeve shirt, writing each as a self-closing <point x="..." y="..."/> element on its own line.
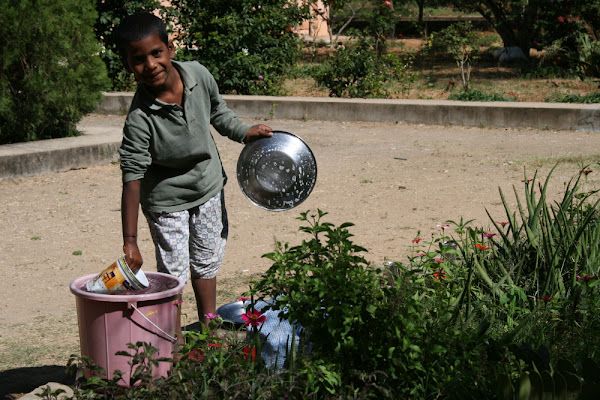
<point x="170" y="148"/>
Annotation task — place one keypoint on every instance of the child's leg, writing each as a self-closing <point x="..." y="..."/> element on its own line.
<point x="206" y="297"/>
<point x="208" y="237"/>
<point x="170" y="234"/>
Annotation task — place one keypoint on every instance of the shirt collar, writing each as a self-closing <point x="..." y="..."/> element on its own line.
<point x="189" y="82"/>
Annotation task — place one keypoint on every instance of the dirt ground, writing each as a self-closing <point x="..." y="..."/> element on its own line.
<point x="392" y="181"/>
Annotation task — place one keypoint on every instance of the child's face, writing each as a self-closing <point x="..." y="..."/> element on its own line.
<point x="149" y="59"/>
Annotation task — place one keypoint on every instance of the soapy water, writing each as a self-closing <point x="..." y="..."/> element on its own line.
<point x="156" y="284"/>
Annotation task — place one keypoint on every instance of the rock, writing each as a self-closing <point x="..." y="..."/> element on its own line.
<point x="508" y="55"/>
<point x="53" y="386"/>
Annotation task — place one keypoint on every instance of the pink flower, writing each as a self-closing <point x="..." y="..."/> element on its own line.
<point x="254" y="318"/>
<point x="260" y="77"/>
<point x="561" y="19"/>
<point x="503" y="224"/>
<point x="211" y="316"/>
<point x="439" y="260"/>
<point x="421" y="254"/>
<point x="243" y="298"/>
<point x="443" y="226"/>
<point x="176" y="303"/>
<point x="489" y="235"/>
<point x="387" y="3"/>
<point x="416" y="240"/>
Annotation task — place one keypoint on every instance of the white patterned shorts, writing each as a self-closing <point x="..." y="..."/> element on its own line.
<point x="190" y="240"/>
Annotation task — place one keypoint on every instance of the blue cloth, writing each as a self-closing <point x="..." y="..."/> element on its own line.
<point x="276" y="336"/>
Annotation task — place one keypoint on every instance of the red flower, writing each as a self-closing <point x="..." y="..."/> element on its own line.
<point x="481" y="247"/>
<point x="214" y="345"/>
<point x="587" y="277"/>
<point x="196" y="355"/>
<point x="254" y="318"/>
<point x="416" y="240"/>
<point x="585" y="171"/>
<point x="503" y="224"/>
<point x="439" y="275"/>
<point x="561" y="19"/>
<point x="439" y="260"/>
<point x="527" y="181"/>
<point x="250" y="351"/>
<point x="546" y="298"/>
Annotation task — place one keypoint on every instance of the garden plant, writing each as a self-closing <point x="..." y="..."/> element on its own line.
<point x="506" y="311"/>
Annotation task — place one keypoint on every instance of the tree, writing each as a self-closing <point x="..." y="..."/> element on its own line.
<point x="246" y="44"/>
<point x="50" y="72"/>
<point x="515" y="21"/>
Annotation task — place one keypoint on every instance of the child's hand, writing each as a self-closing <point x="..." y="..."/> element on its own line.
<point x="256" y="132"/>
<point x="132" y="255"/>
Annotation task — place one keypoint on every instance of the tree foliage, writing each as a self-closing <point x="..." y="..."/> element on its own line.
<point x="110" y="15"/>
<point x="50" y="73"/>
<point x="535" y="23"/>
<point x="515" y="21"/>
<point x="246" y="44"/>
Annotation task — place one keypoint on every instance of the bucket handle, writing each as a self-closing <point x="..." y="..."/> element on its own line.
<point x="174" y="339"/>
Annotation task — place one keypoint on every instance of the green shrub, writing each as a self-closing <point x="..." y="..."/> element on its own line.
<point x="247" y="46"/>
<point x="476" y="95"/>
<point x="400" y="328"/>
<point x="50" y="74"/>
<point x="459" y="41"/>
<point x="574" y="98"/>
<point x="110" y="15"/>
<point x="356" y="71"/>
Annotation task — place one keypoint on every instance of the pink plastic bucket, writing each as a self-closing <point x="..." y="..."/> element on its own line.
<point x="108" y="322"/>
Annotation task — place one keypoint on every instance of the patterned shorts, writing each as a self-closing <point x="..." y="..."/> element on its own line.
<point x="191" y="240"/>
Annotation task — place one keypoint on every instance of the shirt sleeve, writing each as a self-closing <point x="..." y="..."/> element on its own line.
<point x="222" y="117"/>
<point x="134" y="152"/>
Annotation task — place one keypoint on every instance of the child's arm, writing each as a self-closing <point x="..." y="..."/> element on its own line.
<point x="256" y="132"/>
<point x="130" y="202"/>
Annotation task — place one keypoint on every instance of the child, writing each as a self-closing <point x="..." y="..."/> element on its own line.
<point x="170" y="161"/>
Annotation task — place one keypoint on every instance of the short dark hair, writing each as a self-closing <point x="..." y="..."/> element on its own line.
<point x="136" y="27"/>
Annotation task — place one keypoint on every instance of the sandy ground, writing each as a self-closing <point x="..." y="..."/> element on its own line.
<point x="391" y="180"/>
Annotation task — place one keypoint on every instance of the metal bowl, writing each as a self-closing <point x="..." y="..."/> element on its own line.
<point x="277" y="173"/>
<point x="232" y="314"/>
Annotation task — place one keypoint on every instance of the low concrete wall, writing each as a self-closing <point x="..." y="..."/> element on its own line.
<point x="560" y="116"/>
<point x="54" y="155"/>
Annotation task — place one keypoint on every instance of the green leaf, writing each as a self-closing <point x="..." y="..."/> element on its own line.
<point x="504" y="387"/>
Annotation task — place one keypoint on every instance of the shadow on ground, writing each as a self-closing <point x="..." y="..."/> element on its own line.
<point x="20" y="381"/>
